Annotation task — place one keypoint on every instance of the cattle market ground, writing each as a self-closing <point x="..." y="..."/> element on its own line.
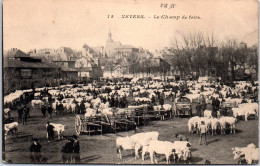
<point x="102" y="149"/>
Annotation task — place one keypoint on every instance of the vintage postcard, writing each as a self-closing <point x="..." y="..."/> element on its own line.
<point x="130" y="82"/>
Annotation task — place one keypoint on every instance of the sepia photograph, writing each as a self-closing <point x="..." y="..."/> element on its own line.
<point x="130" y="82"/>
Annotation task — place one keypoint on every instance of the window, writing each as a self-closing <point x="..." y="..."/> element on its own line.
<point x="26" y="73"/>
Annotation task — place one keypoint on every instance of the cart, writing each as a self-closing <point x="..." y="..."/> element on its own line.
<point x="182" y="106"/>
<point x="103" y="123"/>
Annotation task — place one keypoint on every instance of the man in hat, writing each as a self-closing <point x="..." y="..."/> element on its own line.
<point x="82" y="108"/>
<point x="20" y="113"/>
<point x="203" y="131"/>
<point x="43" y="109"/>
<point x="67" y="151"/>
<point x="35" y="150"/>
<point x="198" y="108"/>
<point x="161" y="100"/>
<point x="50" y="131"/>
<point x="50" y="110"/>
<point x="76" y="149"/>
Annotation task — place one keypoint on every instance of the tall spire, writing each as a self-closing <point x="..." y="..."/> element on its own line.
<point x="109" y="36"/>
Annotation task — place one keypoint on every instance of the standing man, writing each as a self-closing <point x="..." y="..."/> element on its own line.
<point x="213" y="103"/>
<point x="67" y="151"/>
<point x="27" y="110"/>
<point x="76" y="149"/>
<point x="43" y="109"/>
<point x="203" y="107"/>
<point x="61" y="108"/>
<point x="198" y="108"/>
<point x="20" y="113"/>
<point x="217" y="103"/>
<point x="77" y="109"/>
<point x="50" y="109"/>
<point x="203" y="131"/>
<point x="82" y="108"/>
<point x="35" y="151"/>
<point x="50" y="132"/>
<point x="161" y="101"/>
<point x="153" y="99"/>
<point x="57" y="108"/>
<point x="24" y="115"/>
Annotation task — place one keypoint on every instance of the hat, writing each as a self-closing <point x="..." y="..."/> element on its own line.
<point x="35" y="139"/>
<point x="74" y="136"/>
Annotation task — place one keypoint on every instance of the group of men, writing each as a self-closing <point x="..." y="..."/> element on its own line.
<point x="46" y="108"/>
<point x="201" y="107"/>
<point x="70" y="151"/>
<point x="23" y="113"/>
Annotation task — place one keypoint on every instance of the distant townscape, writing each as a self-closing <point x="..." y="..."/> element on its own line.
<point x="52" y="67"/>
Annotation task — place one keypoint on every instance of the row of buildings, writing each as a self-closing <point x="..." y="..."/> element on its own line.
<point x="52" y="67"/>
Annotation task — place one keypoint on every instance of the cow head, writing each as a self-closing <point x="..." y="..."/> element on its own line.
<point x="237" y="154"/>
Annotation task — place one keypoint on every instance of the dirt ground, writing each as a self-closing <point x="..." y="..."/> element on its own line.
<point x="102" y="149"/>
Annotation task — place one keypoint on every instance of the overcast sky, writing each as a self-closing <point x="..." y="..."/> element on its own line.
<point x="29" y="24"/>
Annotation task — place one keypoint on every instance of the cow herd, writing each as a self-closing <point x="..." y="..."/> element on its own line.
<point x="92" y="100"/>
<point x="148" y="142"/>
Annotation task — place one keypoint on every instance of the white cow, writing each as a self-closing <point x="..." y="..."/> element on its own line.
<point x="165" y="107"/>
<point x="250" y="153"/>
<point x="136" y="142"/>
<point x="73" y="107"/>
<point x="104" y="105"/>
<point x="11" y="127"/>
<point x="227" y="121"/>
<point x="192" y="97"/>
<point x="96" y="102"/>
<point x="90" y="112"/>
<point x="182" y="149"/>
<point x="239" y="112"/>
<point x="193" y="123"/>
<point x="250" y="109"/>
<point x="107" y="111"/>
<point x="245" y="110"/>
<point x="207" y="114"/>
<point x="161" y="147"/>
<point x="87" y="105"/>
<point x="36" y="102"/>
<point x="214" y="125"/>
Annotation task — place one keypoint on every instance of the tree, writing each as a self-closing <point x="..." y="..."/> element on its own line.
<point x="146" y="65"/>
<point x="133" y="63"/>
<point x="110" y="65"/>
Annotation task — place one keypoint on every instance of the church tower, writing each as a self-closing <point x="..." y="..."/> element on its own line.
<point x="109" y="36"/>
<point x="111" y="45"/>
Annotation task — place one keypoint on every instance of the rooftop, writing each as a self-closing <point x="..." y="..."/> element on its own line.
<point x="16" y="63"/>
<point x="15" y="53"/>
<point x="125" y="46"/>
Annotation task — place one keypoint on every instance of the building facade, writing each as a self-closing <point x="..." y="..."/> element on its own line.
<point x="20" y="71"/>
